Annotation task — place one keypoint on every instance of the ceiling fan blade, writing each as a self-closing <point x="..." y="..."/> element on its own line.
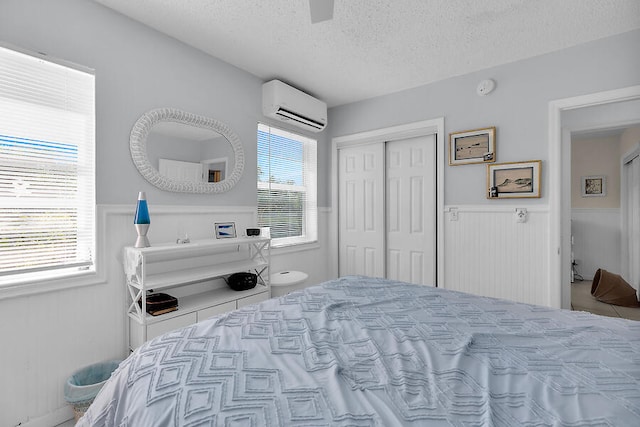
<point x="321" y="10"/>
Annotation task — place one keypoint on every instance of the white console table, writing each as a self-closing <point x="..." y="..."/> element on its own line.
<point x="188" y="271"/>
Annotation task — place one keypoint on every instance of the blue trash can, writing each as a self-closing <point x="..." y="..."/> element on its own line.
<point x="83" y="385"/>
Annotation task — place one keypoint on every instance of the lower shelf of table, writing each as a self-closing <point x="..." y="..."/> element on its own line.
<point x="200" y="301"/>
<point x="192" y="309"/>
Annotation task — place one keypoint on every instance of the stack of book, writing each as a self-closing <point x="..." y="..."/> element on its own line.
<point x="160" y="303"/>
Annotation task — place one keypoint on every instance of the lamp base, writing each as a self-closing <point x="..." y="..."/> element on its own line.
<point x="142" y="241"/>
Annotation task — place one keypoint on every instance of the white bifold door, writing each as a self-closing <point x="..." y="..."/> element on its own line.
<point x="631" y="219"/>
<point x="387" y="210"/>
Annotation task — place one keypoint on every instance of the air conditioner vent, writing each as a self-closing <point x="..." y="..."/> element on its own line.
<point x="289" y="115"/>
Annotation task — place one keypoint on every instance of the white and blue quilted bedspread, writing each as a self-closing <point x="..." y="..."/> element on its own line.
<point x="369" y="352"/>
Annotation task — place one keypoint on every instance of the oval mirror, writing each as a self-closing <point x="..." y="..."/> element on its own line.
<point x="183" y="152"/>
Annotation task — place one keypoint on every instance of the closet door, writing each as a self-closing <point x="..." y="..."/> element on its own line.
<point x="411" y="210"/>
<point x="387" y="210"/>
<point x="361" y="213"/>
<point x="631" y="220"/>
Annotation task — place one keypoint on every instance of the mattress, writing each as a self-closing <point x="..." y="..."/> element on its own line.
<point x="358" y="351"/>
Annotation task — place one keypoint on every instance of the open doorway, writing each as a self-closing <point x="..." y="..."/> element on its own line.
<point x="598" y="198"/>
<point x="618" y="107"/>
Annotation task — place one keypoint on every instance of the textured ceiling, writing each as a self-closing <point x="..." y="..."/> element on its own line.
<point x="376" y="47"/>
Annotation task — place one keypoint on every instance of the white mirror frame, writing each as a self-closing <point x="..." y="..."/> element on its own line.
<point x="138" y="147"/>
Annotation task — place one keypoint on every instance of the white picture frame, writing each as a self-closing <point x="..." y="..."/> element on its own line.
<point x="225" y="230"/>
<point x="593" y="185"/>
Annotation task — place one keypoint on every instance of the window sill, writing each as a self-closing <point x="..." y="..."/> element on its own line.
<point x="34" y="287"/>
<point x="294" y="247"/>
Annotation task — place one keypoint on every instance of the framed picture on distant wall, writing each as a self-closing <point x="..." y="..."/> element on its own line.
<point x="472" y="146"/>
<point x="594" y="186"/>
<point x="514" y="180"/>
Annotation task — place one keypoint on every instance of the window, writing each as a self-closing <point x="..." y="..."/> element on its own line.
<point x="47" y="183"/>
<point x="287" y="186"/>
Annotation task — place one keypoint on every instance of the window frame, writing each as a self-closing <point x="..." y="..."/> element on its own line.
<point x="310" y="176"/>
<point x="45" y="279"/>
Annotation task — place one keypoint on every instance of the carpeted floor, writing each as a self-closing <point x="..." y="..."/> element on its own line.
<point x="582" y="300"/>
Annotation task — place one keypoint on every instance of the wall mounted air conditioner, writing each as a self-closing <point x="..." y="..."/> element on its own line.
<point x="288" y="104"/>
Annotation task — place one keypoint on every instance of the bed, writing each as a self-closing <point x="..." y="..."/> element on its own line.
<point x="358" y="351"/>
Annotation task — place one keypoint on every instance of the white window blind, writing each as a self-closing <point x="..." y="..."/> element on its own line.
<point x="47" y="183"/>
<point x="287" y="186"/>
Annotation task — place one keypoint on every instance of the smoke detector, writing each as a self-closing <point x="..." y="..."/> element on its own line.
<point x="485" y="87"/>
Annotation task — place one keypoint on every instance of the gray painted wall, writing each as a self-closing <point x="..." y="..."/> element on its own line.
<point x="138" y="69"/>
<point x="518" y="107"/>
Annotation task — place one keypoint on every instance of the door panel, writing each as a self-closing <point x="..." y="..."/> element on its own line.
<point x="411" y="210"/>
<point x="361" y="210"/>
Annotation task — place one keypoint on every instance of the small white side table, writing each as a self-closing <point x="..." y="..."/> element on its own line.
<point x="284" y="282"/>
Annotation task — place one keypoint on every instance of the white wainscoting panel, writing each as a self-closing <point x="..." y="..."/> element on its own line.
<point x="45" y="337"/>
<point x="596" y="240"/>
<point x="488" y="253"/>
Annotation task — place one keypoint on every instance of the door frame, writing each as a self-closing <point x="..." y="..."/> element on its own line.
<point x="392" y="133"/>
<point x="560" y="187"/>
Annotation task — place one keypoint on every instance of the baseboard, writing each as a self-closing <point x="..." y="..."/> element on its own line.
<point x="62" y="415"/>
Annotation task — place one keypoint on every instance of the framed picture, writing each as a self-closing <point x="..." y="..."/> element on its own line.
<point x="472" y="146"/>
<point x="594" y="186"/>
<point x="225" y="230"/>
<point x="514" y="180"/>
